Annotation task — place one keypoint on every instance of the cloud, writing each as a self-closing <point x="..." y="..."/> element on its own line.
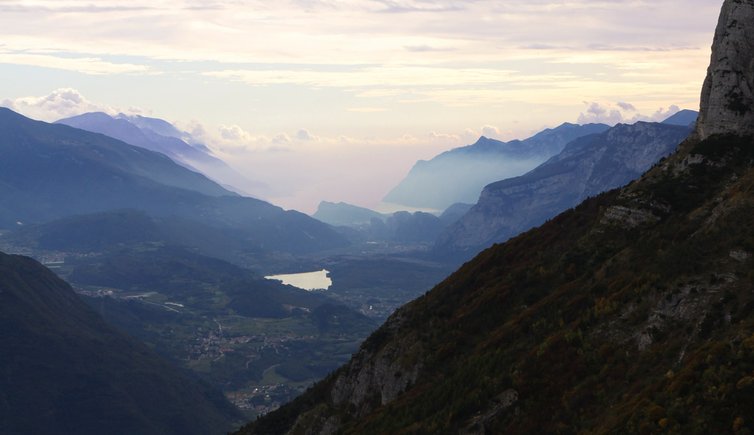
<point x="281" y="139"/>
<point x="622" y="112"/>
<point x="233" y="139"/>
<point x="383" y="76"/>
<point x="308" y="31"/>
<point x="490" y="131"/>
<point x="662" y="114"/>
<point x="304" y="136"/>
<point x="83" y="64"/>
<point x="597" y="113"/>
<point x="425" y="49"/>
<point x="60" y="103"/>
<point x="62" y="7"/>
<point x="366" y="109"/>
<point x="405" y="6"/>
<point x="628" y="107"/>
<point x="233" y="133"/>
<point x="450" y="52"/>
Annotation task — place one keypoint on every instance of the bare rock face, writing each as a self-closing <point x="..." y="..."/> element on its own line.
<point x="727" y="103"/>
<point x="376" y="377"/>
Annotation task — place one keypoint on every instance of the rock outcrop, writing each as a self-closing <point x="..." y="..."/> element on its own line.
<point x="728" y="92"/>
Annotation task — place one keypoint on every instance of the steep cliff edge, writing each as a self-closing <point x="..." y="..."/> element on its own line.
<point x="728" y="91"/>
<point x="632" y="313"/>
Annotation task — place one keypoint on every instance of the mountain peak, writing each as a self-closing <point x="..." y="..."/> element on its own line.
<point x="484" y="140"/>
<point x="727" y="103"/>
<point x="683" y="118"/>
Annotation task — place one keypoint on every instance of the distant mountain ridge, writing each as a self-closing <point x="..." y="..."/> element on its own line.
<point x="460" y="174"/>
<point x="401" y="227"/>
<point x="344" y="214"/>
<point x="67" y="372"/>
<point x="51" y="171"/>
<point x="685" y="118"/>
<point x="161" y="136"/>
<point x="586" y="167"/>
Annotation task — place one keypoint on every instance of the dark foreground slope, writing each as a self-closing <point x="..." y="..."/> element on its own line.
<point x="632" y="313"/>
<point x="64" y="371"/>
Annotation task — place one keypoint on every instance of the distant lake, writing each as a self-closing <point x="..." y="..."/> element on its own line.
<point x="307" y="281"/>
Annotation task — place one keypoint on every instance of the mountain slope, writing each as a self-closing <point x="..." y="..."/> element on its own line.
<point x="685" y="118"/>
<point x="586" y="167"/>
<point x="52" y="171"/>
<point x="343" y="214"/>
<point x="160" y="136"/>
<point x="152" y="278"/>
<point x="62" y="145"/>
<point x="123" y="129"/>
<point x="460" y="174"/>
<point x="66" y="372"/>
<point x="99" y="232"/>
<point x="632" y="313"/>
<point x="219" y="320"/>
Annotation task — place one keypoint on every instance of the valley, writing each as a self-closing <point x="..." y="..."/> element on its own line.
<point x="261" y="350"/>
<point x="520" y="229"/>
<point x="210" y="294"/>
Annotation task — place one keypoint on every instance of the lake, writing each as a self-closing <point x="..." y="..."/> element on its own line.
<point x="309" y="281"/>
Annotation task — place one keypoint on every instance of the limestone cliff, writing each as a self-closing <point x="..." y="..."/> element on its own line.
<point x="728" y="92"/>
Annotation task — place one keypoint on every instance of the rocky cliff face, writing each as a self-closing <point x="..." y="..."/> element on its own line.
<point x="728" y="92"/>
<point x="586" y="167"/>
<point x="374" y="377"/>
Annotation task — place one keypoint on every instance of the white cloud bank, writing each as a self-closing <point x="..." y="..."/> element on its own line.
<point x="60" y="103"/>
<point x="622" y="112"/>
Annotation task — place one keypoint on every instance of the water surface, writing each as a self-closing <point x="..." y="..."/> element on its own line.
<point x="309" y="281"/>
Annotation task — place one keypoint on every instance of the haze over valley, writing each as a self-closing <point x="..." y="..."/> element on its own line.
<point x="376" y="217"/>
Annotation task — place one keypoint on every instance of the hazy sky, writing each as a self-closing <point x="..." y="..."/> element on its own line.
<point x="336" y="99"/>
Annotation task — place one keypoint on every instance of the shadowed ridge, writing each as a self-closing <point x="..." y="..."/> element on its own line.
<point x="67" y="372"/>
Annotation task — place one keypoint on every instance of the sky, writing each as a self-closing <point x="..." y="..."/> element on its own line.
<point x="336" y="99"/>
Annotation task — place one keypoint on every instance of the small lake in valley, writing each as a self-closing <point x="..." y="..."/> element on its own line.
<point x="309" y="281"/>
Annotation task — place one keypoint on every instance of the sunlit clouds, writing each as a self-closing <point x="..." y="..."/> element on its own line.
<point x="61" y="103"/>
<point x="352" y="77"/>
